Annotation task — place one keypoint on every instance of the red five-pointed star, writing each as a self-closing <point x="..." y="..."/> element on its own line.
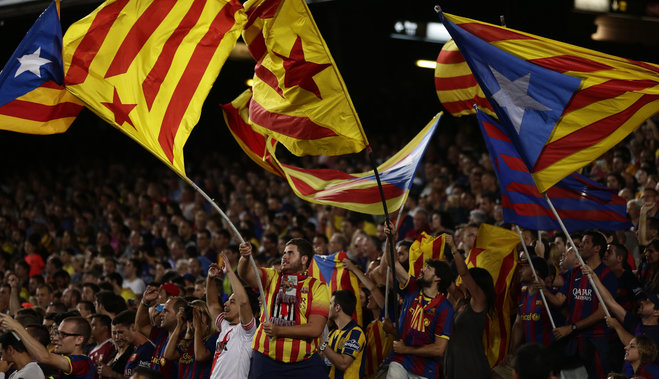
<point x="299" y="72"/>
<point x="120" y="110"/>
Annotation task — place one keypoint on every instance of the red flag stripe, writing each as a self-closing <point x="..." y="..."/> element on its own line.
<point x="589" y="135"/>
<point x="534" y="209"/>
<point x="455" y="82"/>
<point x="267" y="9"/>
<point x="91" y="42"/>
<point x="356" y="195"/>
<point x="490" y="33"/>
<point x="610" y="89"/>
<point x="40" y="112"/>
<point x="461" y="105"/>
<point x="326" y="174"/>
<point x="156" y="76"/>
<point x="51" y="84"/>
<point x="187" y="85"/>
<point x="450" y="57"/>
<point x="267" y="76"/>
<point x="290" y="126"/>
<point x="514" y="163"/>
<point x="138" y="34"/>
<point x="495" y="133"/>
<point x="257" y="48"/>
<point x="563" y="63"/>
<point x="645" y="65"/>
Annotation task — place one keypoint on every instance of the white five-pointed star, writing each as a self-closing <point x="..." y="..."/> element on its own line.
<point x="31" y="62"/>
<point x="514" y="97"/>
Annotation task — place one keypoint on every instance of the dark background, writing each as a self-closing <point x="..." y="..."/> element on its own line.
<point x="392" y="96"/>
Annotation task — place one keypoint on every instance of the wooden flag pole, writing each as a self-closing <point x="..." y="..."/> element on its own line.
<point x="391" y="240"/>
<point x="535" y="275"/>
<point x="576" y="251"/>
<point x="240" y="238"/>
<point x="386" y="285"/>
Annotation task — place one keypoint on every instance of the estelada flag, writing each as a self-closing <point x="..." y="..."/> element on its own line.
<point x="32" y="97"/>
<point x="456" y="87"/>
<point x="147" y="66"/>
<point x="299" y="98"/>
<point x="329" y="269"/>
<point x="494" y="250"/>
<point x="424" y="248"/>
<point x="562" y="105"/>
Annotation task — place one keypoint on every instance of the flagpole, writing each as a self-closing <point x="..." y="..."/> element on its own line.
<point x="386" y="285"/>
<point x="391" y="239"/>
<point x="576" y="251"/>
<point x="535" y="275"/>
<point x="240" y="238"/>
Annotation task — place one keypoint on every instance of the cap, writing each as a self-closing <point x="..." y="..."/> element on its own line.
<point x="171" y="289"/>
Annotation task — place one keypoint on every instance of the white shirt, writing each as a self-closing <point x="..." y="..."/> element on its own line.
<point x="233" y="349"/>
<point x="137" y="286"/>
<point x="30" y="370"/>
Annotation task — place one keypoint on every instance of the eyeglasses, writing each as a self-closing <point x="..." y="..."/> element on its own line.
<point x="65" y="334"/>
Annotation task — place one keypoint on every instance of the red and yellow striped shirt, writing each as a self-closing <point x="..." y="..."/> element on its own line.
<point x="312" y="298"/>
<point x="379" y="345"/>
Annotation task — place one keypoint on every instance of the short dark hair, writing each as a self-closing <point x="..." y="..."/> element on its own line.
<point x="530" y="362"/>
<point x="105" y="320"/>
<point x="87" y="305"/>
<point x="116" y="277"/>
<point x="347" y="300"/>
<point x="81" y="325"/>
<point x="598" y="240"/>
<point x="91" y="285"/>
<point x="112" y="302"/>
<point x="540" y="266"/>
<point x="443" y="272"/>
<point x="125" y="318"/>
<point x="39" y="332"/>
<point x="9" y="339"/>
<point x="620" y="251"/>
<point x="304" y="247"/>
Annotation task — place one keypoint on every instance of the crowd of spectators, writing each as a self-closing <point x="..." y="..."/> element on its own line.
<point x="90" y="241"/>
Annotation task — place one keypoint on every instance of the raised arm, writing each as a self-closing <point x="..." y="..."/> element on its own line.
<point x="170" y="352"/>
<point x="214" y="306"/>
<point x="643" y="223"/>
<point x="377" y="295"/>
<point x="244" y="269"/>
<point x="142" y="319"/>
<point x="614" y="307"/>
<point x="201" y="353"/>
<point x="239" y="293"/>
<point x="401" y="274"/>
<point x="14" y="301"/>
<point x="478" y="299"/>
<point x="34" y="347"/>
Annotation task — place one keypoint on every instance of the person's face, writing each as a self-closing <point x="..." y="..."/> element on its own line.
<point x="631" y="352"/>
<point x="32" y="285"/>
<point x="568" y="259"/>
<point x="334" y="244"/>
<point x="485" y="205"/>
<point x="168" y="320"/>
<point x="561" y="245"/>
<point x="84" y="312"/>
<point x="291" y="262"/>
<point x="525" y="272"/>
<point x="651" y="254"/>
<point x="97" y="329"/>
<point x="67" y="338"/>
<point x="333" y="311"/>
<point x="88" y="294"/>
<point x="469" y="238"/>
<point x="199" y="291"/>
<point x="645" y="308"/>
<point x="121" y="334"/>
<point x="6" y="355"/>
<point x="427" y="277"/>
<point x="109" y="267"/>
<point x="372" y="305"/>
<point x="44" y="297"/>
<point x="129" y="269"/>
<point x="610" y="257"/>
<point x="319" y="245"/>
<point x="403" y="253"/>
<point x="587" y="248"/>
<point x="195" y="267"/>
<point x="231" y="310"/>
<point x="184" y="229"/>
<point x="203" y="241"/>
<point x="420" y="220"/>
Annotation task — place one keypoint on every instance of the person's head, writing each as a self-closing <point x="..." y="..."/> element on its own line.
<point x="487" y="202"/>
<point x="231" y="308"/>
<point x="540" y="266"/>
<point x="469" y="237"/>
<point x="109" y="303"/>
<point x="132" y="268"/>
<point x="403" y="250"/>
<point x="641" y="349"/>
<point x="123" y="327"/>
<point x="206" y="322"/>
<point x="530" y="362"/>
<point x="651" y="252"/>
<point x="297" y="256"/>
<point x="199" y="289"/>
<point x="561" y="242"/>
<point x="35" y="282"/>
<point x="168" y="320"/>
<point x="194" y="267"/>
<point x="101" y="327"/>
<point x="28" y="316"/>
<point x="420" y="219"/>
<point x="320" y="244"/>
<point x="203" y="240"/>
<point x="44" y="295"/>
<point x="484" y="280"/>
<point x="342" y="304"/>
<point x="39" y="333"/>
<point x="436" y="273"/>
<point x="11" y="348"/>
<point x="72" y="335"/>
<point x="648" y="305"/>
<point x="89" y="291"/>
<point x="146" y="373"/>
<point x="615" y="255"/>
<point x="86" y="308"/>
<point x="338" y="242"/>
<point x="71" y="297"/>
<point x="592" y="244"/>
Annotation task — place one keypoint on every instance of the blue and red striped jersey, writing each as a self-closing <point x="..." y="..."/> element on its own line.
<point x="535" y="321"/>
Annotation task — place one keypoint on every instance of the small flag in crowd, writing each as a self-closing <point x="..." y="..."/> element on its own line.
<point x="563" y="106"/>
<point x="329" y="269"/>
<point x="147" y="66"/>
<point x="494" y="250"/>
<point x="299" y="96"/>
<point x="424" y="248"/>
<point x="456" y="87"/>
<point x="32" y="98"/>
<point x="580" y="202"/>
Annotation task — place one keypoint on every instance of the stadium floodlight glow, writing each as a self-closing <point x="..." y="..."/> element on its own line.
<point x="436" y="31"/>
<point x="424" y="63"/>
<point x="592" y="5"/>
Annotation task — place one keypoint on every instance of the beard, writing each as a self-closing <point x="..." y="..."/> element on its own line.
<point x="292" y="268"/>
<point x="424" y="283"/>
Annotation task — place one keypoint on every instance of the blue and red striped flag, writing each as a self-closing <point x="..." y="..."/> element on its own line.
<point x="329" y="269"/>
<point x="146" y="66"/>
<point x="32" y="98"/>
<point x="562" y="105"/>
<point x="580" y="202"/>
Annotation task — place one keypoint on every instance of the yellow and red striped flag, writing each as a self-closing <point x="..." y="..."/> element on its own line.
<point x="562" y="105"/>
<point x="299" y="97"/>
<point x="147" y="66"/>
<point x="424" y="248"/>
<point x="494" y="250"/>
<point x="456" y="87"/>
<point x="32" y="98"/>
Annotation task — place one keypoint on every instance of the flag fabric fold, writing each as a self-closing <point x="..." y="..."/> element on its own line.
<point x="32" y="98"/>
<point x="424" y="248"/>
<point x="580" y="202"/>
<point x="299" y="96"/>
<point x="562" y="105"/>
<point x="359" y="192"/>
<point x="147" y="66"/>
<point x="456" y="87"/>
<point x="329" y="269"/>
<point x="494" y="250"/>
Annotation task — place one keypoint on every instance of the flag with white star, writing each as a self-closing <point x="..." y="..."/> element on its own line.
<point x="32" y="99"/>
<point x="299" y="96"/>
<point x="562" y="106"/>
